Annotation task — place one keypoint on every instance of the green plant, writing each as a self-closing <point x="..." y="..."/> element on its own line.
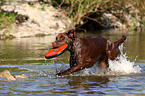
<point x="2" y="2"/>
<point x="6" y="19"/>
<point x="79" y="8"/>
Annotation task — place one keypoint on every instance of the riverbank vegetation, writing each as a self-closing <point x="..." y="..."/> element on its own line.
<point x="85" y="14"/>
<point x="94" y="14"/>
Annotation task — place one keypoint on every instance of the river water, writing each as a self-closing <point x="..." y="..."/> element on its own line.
<point x="26" y="56"/>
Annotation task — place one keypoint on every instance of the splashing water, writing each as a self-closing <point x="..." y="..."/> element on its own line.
<point x="120" y="66"/>
<point x="123" y="65"/>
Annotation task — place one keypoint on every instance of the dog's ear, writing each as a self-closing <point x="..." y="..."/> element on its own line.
<point x="71" y="33"/>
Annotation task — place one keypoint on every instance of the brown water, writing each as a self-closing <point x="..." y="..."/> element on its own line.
<point x="26" y="56"/>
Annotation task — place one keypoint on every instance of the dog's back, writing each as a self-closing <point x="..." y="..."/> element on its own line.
<point x="92" y="50"/>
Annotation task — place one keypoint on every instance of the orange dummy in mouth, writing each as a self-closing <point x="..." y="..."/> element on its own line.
<point x="56" y="51"/>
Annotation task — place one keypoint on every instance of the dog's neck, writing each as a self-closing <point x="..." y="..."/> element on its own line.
<point x="75" y="46"/>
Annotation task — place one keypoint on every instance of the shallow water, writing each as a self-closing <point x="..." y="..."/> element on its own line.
<point x="26" y="56"/>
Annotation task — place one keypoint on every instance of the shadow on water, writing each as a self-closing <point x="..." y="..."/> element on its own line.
<point x="84" y="85"/>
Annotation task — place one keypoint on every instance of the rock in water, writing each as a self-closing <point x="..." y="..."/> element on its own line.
<point x="6" y="74"/>
<point x="22" y="76"/>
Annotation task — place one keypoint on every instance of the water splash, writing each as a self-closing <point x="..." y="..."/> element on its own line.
<point x="123" y="66"/>
<point x="120" y="66"/>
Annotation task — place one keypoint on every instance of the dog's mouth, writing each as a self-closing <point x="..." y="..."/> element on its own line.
<point x="55" y="47"/>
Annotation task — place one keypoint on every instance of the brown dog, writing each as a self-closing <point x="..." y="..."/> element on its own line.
<point x="85" y="52"/>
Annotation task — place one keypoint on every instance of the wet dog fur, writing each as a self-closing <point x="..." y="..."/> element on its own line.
<point x="85" y="52"/>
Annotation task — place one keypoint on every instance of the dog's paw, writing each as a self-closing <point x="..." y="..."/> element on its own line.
<point x="59" y="74"/>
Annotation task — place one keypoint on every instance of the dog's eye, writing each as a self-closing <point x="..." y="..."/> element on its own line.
<point x="62" y="38"/>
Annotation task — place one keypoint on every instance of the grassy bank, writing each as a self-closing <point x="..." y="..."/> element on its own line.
<point x="89" y="12"/>
<point x="6" y="19"/>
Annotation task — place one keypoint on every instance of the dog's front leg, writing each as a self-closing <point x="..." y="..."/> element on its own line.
<point x="72" y="61"/>
<point x="71" y="70"/>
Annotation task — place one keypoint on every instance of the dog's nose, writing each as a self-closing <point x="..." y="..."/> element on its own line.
<point x="54" y="45"/>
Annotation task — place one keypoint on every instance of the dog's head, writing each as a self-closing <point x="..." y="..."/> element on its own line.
<point x="64" y="38"/>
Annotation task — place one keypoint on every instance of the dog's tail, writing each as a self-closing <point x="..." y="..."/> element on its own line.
<point x="120" y="41"/>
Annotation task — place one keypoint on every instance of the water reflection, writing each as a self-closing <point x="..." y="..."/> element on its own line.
<point x="24" y="50"/>
<point x="82" y="85"/>
<point x="88" y="81"/>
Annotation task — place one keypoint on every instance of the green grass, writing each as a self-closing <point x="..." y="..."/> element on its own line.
<point x="6" y="19"/>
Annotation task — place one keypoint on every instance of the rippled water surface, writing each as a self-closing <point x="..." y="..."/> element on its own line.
<point x="26" y="56"/>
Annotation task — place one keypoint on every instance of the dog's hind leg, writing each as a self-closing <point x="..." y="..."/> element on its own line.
<point x="104" y="63"/>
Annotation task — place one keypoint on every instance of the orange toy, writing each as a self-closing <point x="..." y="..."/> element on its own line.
<point x="56" y="51"/>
